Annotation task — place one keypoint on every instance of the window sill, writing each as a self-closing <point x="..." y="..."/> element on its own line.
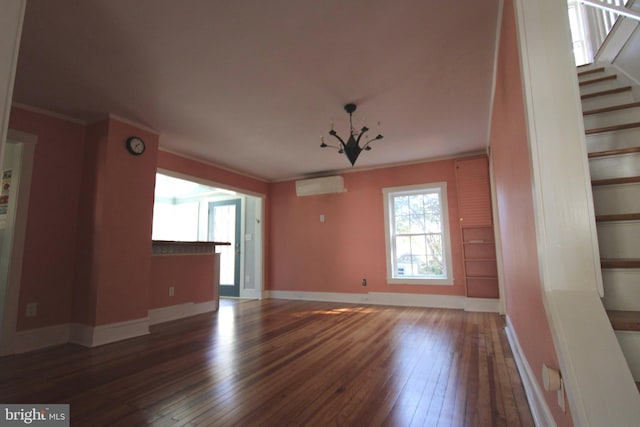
<point x="437" y="282"/>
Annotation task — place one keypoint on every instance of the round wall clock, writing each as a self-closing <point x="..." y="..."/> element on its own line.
<point x="135" y="145"/>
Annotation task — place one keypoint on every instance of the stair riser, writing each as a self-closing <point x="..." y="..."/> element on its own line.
<point x="606" y="101"/>
<point x="613" y="140"/>
<point x="619" y="239"/>
<point x="596" y="87"/>
<point x="620" y="166"/>
<point x="616" y="199"/>
<point x="591" y="76"/>
<point x="621" y="288"/>
<point x="630" y="344"/>
<point x="612" y="118"/>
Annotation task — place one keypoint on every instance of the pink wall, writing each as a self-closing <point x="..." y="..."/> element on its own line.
<point x="84" y="295"/>
<point x="334" y="256"/>
<point x="194" y="168"/>
<point x="50" y="240"/>
<point x="511" y="169"/>
<point x="122" y="228"/>
<point x="190" y="275"/>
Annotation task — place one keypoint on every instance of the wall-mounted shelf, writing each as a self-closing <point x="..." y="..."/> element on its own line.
<point x="481" y="270"/>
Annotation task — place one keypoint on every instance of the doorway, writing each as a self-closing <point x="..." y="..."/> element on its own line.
<point x="16" y="169"/>
<point x="192" y="209"/>
<point x="224" y="226"/>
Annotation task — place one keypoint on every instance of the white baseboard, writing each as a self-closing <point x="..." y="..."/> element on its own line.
<point x="251" y="293"/>
<point x="482" y="305"/>
<point x="35" y="339"/>
<point x="397" y="299"/>
<point x="180" y="311"/>
<point x="538" y="405"/>
<point x="81" y="334"/>
<point x="93" y="336"/>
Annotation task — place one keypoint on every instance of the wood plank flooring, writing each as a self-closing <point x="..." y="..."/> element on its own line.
<point x="286" y="363"/>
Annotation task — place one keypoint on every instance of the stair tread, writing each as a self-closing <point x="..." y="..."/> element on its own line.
<point x="614" y="181"/>
<point x="618" y="217"/>
<point x="598" y="80"/>
<point x="629" y="150"/>
<point x="620" y="262"/>
<point x="613" y="128"/>
<point x="593" y="71"/>
<point x="624" y="320"/>
<point x="606" y="92"/>
<point x="612" y="108"/>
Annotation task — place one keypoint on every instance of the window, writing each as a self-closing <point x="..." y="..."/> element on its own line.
<point x="417" y="234"/>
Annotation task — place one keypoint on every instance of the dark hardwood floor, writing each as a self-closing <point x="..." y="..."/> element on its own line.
<point x="286" y="363"/>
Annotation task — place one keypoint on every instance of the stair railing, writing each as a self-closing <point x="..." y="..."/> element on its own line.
<point x="600" y="17"/>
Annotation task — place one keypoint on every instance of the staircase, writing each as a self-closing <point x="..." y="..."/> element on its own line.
<point x="611" y="110"/>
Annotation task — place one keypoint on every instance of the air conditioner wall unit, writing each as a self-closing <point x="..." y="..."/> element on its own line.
<point x="316" y="186"/>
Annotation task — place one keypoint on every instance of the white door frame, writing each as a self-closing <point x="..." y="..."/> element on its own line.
<point x="11" y="265"/>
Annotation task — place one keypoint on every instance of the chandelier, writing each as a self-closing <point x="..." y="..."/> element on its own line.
<point x="351" y="148"/>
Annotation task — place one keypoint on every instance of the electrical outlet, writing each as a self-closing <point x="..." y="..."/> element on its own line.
<point x="364" y="282"/>
<point x="32" y="309"/>
<point x="172" y="291"/>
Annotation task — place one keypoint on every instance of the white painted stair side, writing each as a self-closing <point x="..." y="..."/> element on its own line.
<point x="618" y="166"/>
<point x="613" y="118"/>
<point x="630" y="344"/>
<point x="619" y="239"/>
<point x="604" y="141"/>
<point x="607" y="100"/>
<point x="616" y="199"/>
<point x="621" y="288"/>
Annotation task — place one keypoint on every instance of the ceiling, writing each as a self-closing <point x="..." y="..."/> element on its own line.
<point x="251" y="85"/>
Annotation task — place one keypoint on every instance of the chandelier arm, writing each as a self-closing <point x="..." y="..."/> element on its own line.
<point x="362" y="132"/>
<point x="332" y="146"/>
<point x="371" y="140"/>
<point x="334" y="134"/>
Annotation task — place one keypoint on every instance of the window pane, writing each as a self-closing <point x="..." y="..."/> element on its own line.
<point x="417" y="223"/>
<point x="402" y="224"/>
<point x="401" y="205"/>
<point x="418" y="245"/>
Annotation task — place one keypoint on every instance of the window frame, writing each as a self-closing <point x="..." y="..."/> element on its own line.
<point x="389" y="193"/>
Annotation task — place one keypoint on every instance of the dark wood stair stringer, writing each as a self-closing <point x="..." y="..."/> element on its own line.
<point x="613" y="128"/>
<point x="615" y="152"/>
<point x="597" y="80"/>
<point x="606" y="92"/>
<point x="593" y="71"/>
<point x="616" y="181"/>
<point x="620" y="263"/>
<point x="624" y="320"/>
<point x="612" y="108"/>
<point x="618" y="217"/>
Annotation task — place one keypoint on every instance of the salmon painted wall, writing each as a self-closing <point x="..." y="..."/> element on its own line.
<point x="84" y="295"/>
<point x="190" y="275"/>
<point x="123" y="221"/>
<point x="50" y="240"/>
<point x="197" y="169"/>
<point x="334" y="256"/>
<point x="512" y="174"/>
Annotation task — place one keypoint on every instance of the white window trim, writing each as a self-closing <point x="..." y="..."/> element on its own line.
<point x="418" y="188"/>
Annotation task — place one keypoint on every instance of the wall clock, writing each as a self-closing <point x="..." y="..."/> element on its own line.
<point x="135" y="145"/>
